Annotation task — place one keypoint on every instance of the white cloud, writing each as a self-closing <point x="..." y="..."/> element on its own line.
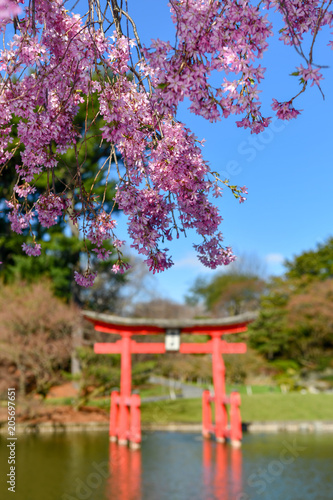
<point x="274" y="258"/>
<point x="191" y="261"/>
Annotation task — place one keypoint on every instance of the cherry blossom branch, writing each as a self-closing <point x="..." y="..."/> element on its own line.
<point x="166" y="185"/>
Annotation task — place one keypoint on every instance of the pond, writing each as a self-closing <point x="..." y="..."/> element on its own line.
<point x="170" y="466"/>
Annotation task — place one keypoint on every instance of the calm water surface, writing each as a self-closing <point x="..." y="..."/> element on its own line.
<point x="170" y="466"/>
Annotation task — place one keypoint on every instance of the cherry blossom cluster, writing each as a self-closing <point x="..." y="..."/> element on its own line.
<point x="301" y="17"/>
<point x="56" y="61"/>
<point x="18" y="219"/>
<point x="32" y="250"/>
<point x="284" y="110"/>
<point x="49" y="207"/>
<point x="224" y="36"/>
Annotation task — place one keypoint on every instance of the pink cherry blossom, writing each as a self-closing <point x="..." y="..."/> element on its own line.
<point x="32" y="250"/>
<point x="285" y="110"/>
<point x="310" y="73"/>
<point x="18" y="219"/>
<point x="87" y="279"/>
<point x="49" y="207"/>
<point x="120" y="267"/>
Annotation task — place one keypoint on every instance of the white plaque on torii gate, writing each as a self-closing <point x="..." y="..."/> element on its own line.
<point x="172" y="339"/>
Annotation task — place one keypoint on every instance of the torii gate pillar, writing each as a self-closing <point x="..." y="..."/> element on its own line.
<point x="125" y="387"/>
<point x="221" y="417"/>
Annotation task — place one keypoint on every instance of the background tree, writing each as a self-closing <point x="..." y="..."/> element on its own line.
<point x="35" y="336"/>
<point x="295" y="321"/>
<point x="162" y="308"/>
<point x="310" y="317"/>
<point x="314" y="264"/>
<point x="269" y="333"/>
<point x="233" y="292"/>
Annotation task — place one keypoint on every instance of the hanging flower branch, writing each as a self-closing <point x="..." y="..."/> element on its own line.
<point x="57" y="60"/>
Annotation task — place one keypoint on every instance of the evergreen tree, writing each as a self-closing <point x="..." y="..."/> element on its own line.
<point x="314" y="264"/>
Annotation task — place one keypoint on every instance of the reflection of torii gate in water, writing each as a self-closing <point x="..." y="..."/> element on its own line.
<point x="125" y="408"/>
<point x="221" y="474"/>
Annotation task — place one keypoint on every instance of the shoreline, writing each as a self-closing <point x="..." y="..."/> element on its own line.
<point x="271" y="427"/>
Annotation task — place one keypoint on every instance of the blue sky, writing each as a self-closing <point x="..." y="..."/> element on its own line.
<point x="287" y="169"/>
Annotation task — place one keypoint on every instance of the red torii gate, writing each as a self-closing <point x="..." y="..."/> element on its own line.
<point x="125" y="407"/>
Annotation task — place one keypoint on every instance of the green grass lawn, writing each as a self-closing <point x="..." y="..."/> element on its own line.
<point x="256" y="389"/>
<point x="243" y="389"/>
<point x="291" y="406"/>
<point x="268" y="407"/>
